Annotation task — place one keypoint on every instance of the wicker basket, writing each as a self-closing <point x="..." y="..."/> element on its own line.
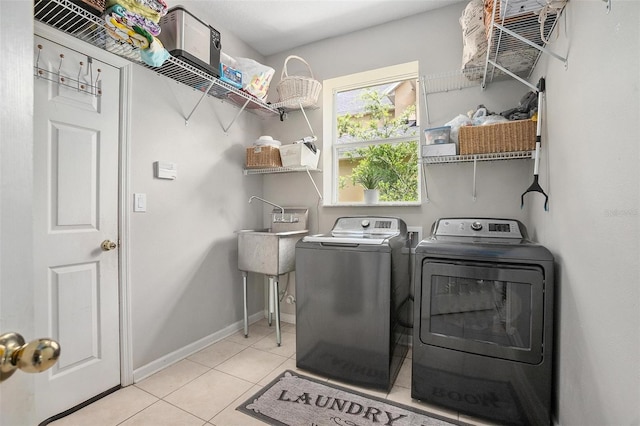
<point x="93" y="5"/>
<point x="262" y="157"/>
<point x="502" y="137"/>
<point x="301" y="89"/>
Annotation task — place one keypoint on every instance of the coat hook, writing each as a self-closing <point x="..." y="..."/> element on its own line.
<point x="90" y="68"/>
<point x="98" y="81"/>
<point x="80" y="86"/>
<point x="608" y="5"/>
<point x="38" y="60"/>
<point x="60" y="67"/>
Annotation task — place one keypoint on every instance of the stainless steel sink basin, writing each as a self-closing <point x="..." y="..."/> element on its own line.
<point x="266" y="252"/>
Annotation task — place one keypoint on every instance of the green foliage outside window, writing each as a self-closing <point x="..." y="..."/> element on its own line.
<point x="391" y="168"/>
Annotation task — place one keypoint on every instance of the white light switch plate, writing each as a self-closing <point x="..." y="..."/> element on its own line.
<point x="139" y="202"/>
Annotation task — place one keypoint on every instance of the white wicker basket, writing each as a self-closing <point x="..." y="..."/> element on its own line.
<point x="298" y="89"/>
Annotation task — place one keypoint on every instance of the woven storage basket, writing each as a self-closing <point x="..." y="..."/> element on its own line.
<point x="98" y="5"/>
<point x="502" y="137"/>
<point x="262" y="157"/>
<point x="300" y="89"/>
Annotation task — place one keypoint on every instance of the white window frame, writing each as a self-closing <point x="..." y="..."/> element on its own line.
<point x="331" y="87"/>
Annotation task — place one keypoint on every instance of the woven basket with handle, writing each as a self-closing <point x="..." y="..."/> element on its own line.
<point x="298" y="89"/>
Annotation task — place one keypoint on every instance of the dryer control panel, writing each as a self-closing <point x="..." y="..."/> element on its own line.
<point x="474" y="227"/>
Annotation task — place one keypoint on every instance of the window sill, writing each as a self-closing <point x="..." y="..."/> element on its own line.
<point x="410" y="204"/>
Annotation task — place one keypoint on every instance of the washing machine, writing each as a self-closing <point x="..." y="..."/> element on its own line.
<point x="352" y="301"/>
<point x="483" y="321"/>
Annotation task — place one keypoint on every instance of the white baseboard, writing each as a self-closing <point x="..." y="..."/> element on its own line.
<point x="182" y="353"/>
<point x="290" y="318"/>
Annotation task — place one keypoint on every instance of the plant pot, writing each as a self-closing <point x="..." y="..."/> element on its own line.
<point x="371" y="196"/>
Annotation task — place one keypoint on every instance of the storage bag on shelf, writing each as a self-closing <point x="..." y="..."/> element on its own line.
<point x="474" y="41"/>
<point x="256" y="77"/>
<point x="298" y="89"/>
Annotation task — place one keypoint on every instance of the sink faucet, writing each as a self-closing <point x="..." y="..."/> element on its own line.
<point x="268" y="202"/>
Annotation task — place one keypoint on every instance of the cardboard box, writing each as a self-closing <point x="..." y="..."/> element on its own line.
<point x="299" y="155"/>
<point x="438" y="149"/>
<point x="231" y="75"/>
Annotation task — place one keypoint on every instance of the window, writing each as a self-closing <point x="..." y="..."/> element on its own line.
<point x="371" y="137"/>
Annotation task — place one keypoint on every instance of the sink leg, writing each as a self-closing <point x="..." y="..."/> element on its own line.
<point x="270" y="318"/>
<point x="244" y="300"/>
<point x="276" y="302"/>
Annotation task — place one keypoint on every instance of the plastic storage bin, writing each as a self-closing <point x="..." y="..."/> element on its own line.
<point x="299" y="155"/>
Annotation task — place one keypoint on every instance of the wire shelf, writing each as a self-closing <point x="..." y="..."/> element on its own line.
<point x="272" y="170"/>
<point x="492" y="156"/>
<point x="514" y="48"/>
<point x="517" y="42"/>
<point x="452" y="80"/>
<point x="69" y="18"/>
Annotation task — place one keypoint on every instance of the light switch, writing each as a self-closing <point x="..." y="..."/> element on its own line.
<point x="139" y="202"/>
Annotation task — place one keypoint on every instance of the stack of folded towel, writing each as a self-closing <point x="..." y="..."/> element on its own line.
<point x="132" y="27"/>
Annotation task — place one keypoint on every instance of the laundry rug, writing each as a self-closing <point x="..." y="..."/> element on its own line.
<point x="295" y="400"/>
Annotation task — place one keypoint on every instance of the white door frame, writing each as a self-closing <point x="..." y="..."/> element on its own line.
<point x="125" y="203"/>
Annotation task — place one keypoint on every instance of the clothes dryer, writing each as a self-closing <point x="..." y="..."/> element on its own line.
<point x="483" y="321"/>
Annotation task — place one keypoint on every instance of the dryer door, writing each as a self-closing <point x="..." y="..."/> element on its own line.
<point x="483" y="308"/>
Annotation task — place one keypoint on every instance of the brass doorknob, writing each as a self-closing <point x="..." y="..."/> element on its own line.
<point x="33" y="357"/>
<point x="108" y="245"/>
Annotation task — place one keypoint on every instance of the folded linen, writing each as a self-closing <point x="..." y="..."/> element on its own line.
<point x="151" y="9"/>
<point x="122" y="48"/>
<point x="133" y="18"/>
<point x="133" y="41"/>
<point x="119" y="30"/>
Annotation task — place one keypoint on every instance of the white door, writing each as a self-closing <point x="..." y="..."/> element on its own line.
<point x="76" y="145"/>
<point x="16" y="195"/>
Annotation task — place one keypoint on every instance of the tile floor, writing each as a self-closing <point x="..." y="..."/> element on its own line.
<point x="205" y="388"/>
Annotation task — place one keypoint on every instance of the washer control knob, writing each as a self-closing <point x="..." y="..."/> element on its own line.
<point x="476" y="226"/>
<point x="365" y="223"/>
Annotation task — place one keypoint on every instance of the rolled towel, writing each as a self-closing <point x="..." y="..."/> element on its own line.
<point x="155" y="55"/>
<point x="117" y="9"/>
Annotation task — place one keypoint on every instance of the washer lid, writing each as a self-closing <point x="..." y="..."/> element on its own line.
<point x="366" y="227"/>
<point x="350" y="241"/>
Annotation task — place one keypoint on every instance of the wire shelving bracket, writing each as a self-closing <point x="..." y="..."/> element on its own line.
<point x="274" y="170"/>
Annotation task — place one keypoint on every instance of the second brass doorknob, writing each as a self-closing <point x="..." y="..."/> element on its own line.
<point x="33" y="357"/>
<point x="108" y="245"/>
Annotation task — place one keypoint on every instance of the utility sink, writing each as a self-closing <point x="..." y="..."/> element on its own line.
<point x="266" y="252"/>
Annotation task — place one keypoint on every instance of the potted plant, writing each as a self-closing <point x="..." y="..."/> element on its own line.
<point x="369" y="177"/>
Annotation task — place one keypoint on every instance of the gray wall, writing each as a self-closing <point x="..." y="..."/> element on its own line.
<point x="591" y="171"/>
<point x="435" y="40"/>
<point x="185" y="284"/>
